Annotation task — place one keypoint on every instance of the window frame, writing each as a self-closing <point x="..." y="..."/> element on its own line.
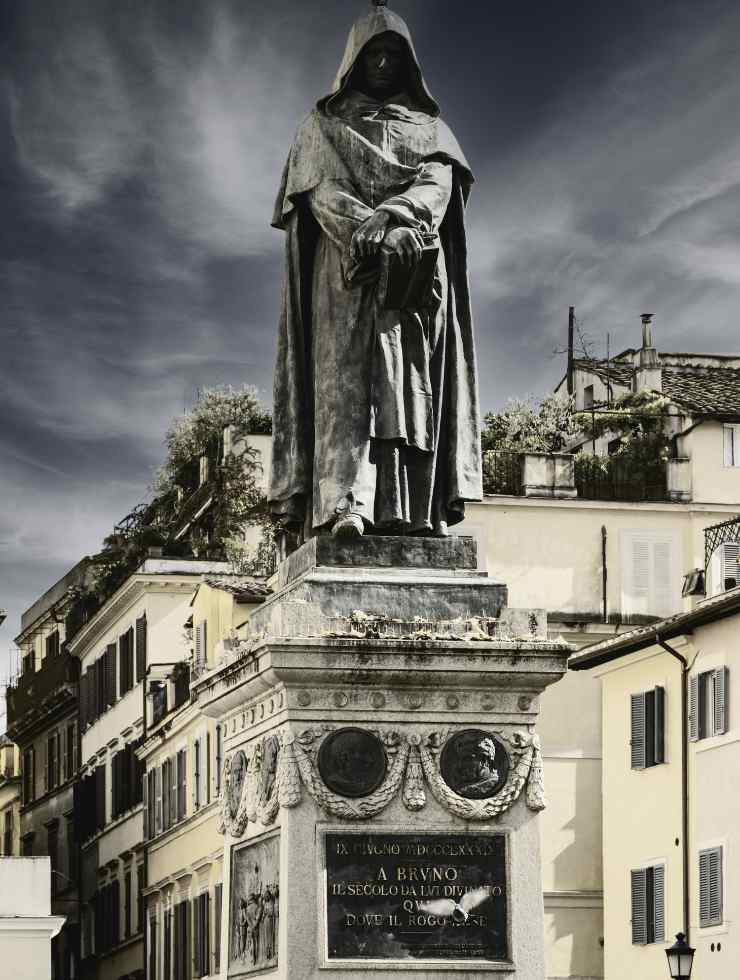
<point x="709" y="706"/>
<point x="708" y="920"/>
<point x="652" y="893"/>
<point x="731" y="445"/>
<point x="647" y="712"/>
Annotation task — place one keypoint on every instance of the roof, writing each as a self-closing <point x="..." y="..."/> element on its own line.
<point x="710" y="389"/>
<point x="244" y="588"/>
<point x="710" y="611"/>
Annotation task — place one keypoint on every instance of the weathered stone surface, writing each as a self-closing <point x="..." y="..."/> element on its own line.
<point x="325" y="550"/>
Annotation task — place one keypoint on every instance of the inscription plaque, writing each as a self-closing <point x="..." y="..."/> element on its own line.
<point x="416" y="897"/>
<point x="352" y="762"/>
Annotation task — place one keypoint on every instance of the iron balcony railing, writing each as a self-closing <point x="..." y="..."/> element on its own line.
<point x="33" y="688"/>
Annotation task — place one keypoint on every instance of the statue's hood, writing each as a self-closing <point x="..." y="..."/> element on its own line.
<point x="365" y="29"/>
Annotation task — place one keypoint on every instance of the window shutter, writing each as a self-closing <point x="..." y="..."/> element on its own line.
<point x="196" y="937"/>
<point x="659" y="903"/>
<point x="662" y="601"/>
<point x="198" y="651"/>
<point x="208" y="767"/>
<point x="640" y="577"/>
<point x="730" y="571"/>
<point x="637" y="744"/>
<point x="110" y="674"/>
<point x="694" y="708"/>
<point x="141" y="641"/>
<point x="182" y="783"/>
<point x="729" y="445"/>
<point x="710" y="887"/>
<point x="145" y="797"/>
<point x="219" y="753"/>
<point x="196" y="773"/>
<point x="659" y="725"/>
<point x="719" y="700"/>
<point x="166" y="765"/>
<point x="639" y="907"/>
<point x="217" y="928"/>
<point x="83" y="700"/>
<point x="157" y="800"/>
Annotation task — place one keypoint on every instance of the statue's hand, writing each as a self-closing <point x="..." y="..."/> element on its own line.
<point x="405" y="243"/>
<point x="368" y="238"/>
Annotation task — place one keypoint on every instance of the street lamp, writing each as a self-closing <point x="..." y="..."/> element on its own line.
<point x="680" y="958"/>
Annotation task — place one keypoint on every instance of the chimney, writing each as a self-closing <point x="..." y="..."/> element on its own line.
<point x="648" y="373"/>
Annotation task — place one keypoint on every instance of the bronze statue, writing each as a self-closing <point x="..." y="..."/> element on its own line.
<point x="376" y="423"/>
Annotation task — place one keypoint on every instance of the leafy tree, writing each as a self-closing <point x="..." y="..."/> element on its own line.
<point x="529" y="426"/>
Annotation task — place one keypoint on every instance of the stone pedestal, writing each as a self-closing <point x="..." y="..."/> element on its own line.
<point x="383" y="775"/>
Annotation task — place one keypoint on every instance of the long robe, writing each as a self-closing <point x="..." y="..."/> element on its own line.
<point x="375" y="411"/>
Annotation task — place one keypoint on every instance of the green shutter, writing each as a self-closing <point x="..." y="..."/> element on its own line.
<point x="639" y="906"/>
<point x="637" y="731"/>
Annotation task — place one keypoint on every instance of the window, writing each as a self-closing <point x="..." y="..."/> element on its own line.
<point x="52" y="644"/>
<point x="126" y="770"/>
<point x="647" y="717"/>
<point x="651" y="580"/>
<point x="52" y="761"/>
<point x="181" y="783"/>
<point x="708" y="703"/>
<point x="710" y="887"/>
<point x="732" y="445"/>
<point x="152" y="973"/>
<point x="167" y="783"/>
<point x="588" y="397"/>
<point x="127" y="904"/>
<point x="199" y="653"/>
<point x="167" y="940"/>
<point x="29" y="776"/>
<point x="52" y="849"/>
<point x="70" y="757"/>
<point x="139" y="897"/>
<point x="141" y="638"/>
<point x="201" y="936"/>
<point x="219" y="757"/>
<point x="8" y="833"/>
<point x="182" y="941"/>
<point x="27" y="844"/>
<point x="724" y="568"/>
<point x="648" y="905"/>
<point x="198" y="773"/>
<point x="126" y="661"/>
<point x="150" y="801"/>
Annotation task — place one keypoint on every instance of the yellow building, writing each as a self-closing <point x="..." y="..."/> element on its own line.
<point x="139" y="629"/>
<point x="670" y="834"/>
<point x="182" y="755"/>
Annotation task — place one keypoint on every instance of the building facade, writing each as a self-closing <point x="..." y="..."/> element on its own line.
<point x="140" y="627"/>
<point x="10" y="798"/>
<point x="670" y="737"/>
<point x="42" y="711"/>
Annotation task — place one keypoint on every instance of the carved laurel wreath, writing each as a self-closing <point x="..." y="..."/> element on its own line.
<point x="414" y="763"/>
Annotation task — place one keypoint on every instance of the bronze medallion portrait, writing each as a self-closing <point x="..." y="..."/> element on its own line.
<point x="474" y="764"/>
<point x="237" y="775"/>
<point x="352" y="762"/>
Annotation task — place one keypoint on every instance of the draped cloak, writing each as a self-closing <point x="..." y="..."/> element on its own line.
<point x="375" y="411"/>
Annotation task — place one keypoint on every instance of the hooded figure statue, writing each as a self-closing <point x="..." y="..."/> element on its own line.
<point x="376" y="425"/>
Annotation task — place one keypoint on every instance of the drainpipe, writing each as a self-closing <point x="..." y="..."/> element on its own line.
<point x="604" y="575"/>
<point x="684" y="774"/>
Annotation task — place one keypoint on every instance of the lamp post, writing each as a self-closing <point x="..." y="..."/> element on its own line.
<point x="680" y="958"/>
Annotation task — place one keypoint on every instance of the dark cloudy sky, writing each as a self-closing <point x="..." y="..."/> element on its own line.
<point x="141" y="145"/>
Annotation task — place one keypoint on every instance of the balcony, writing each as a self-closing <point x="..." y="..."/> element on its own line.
<point x="587" y="477"/>
<point x="30" y="696"/>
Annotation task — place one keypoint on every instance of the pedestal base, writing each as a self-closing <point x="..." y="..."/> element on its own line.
<point x="383" y="775"/>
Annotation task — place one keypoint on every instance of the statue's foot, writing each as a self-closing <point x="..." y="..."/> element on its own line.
<point x="441" y="530"/>
<point x="350" y="526"/>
